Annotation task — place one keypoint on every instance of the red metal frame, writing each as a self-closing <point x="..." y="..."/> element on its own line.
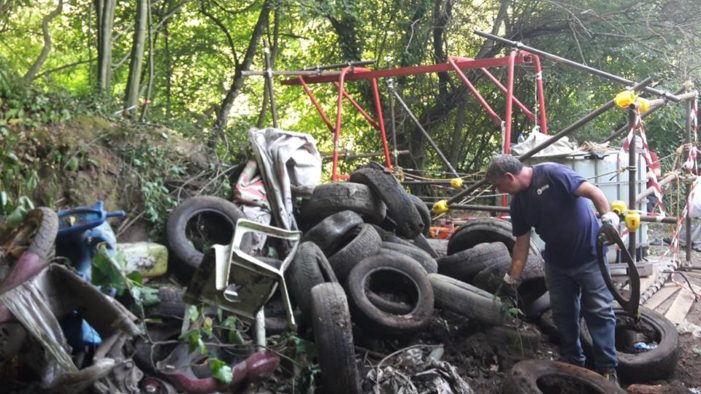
<point x="456" y="64"/>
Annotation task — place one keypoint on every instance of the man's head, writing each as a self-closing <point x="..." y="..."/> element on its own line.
<point x="503" y="172"/>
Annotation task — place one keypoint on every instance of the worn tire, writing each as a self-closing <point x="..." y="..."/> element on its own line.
<point x="330" y="198"/>
<point x="217" y="217"/>
<point x="545" y="376"/>
<point x="422" y="243"/>
<point x="491" y="277"/>
<point x="360" y="242"/>
<point x="308" y="269"/>
<point x="466" y="300"/>
<point x="45" y="221"/>
<point x="421" y="257"/>
<point x="390" y="306"/>
<point x="654" y="364"/>
<point x="170" y="304"/>
<point x="400" y="207"/>
<point x="479" y="230"/>
<point x="328" y="233"/>
<point x="424" y="212"/>
<point x="399" y="273"/>
<point x="547" y="326"/>
<point x="334" y="339"/>
<point x="465" y="264"/>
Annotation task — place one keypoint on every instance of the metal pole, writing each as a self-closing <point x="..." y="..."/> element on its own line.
<point x="390" y="84"/>
<point x="269" y="84"/>
<point x="469" y="207"/>
<point x="559" y="59"/>
<point x="688" y="216"/>
<point x="623" y="129"/>
<point x="337" y="128"/>
<point x="567" y="130"/>
<point x="341" y="65"/>
<point x="425" y="133"/>
<point x="381" y="121"/>
<point x="632" y="171"/>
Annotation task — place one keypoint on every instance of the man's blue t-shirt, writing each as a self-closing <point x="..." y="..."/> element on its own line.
<point x="565" y="221"/>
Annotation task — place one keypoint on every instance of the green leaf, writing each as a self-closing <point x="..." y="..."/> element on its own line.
<point x="194" y="313"/>
<point x="220" y="371"/>
<point x="207" y="326"/>
<point x="106" y="272"/>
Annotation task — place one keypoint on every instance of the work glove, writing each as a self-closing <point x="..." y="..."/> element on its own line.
<point x="611" y="218"/>
<point x="507" y="287"/>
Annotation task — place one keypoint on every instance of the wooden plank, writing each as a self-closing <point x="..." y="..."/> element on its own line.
<point x="662" y="295"/>
<point x="677" y="312"/>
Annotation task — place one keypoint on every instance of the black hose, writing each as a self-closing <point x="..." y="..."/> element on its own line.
<point x="609" y="234"/>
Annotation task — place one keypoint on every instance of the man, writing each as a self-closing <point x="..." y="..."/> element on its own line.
<point x="551" y="198"/>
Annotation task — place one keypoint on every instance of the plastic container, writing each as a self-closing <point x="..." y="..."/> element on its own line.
<point x="149" y="258"/>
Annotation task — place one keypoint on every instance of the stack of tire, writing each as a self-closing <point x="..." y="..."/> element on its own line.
<point x="479" y="253"/>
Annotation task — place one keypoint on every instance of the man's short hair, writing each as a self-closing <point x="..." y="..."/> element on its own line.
<point x="503" y="164"/>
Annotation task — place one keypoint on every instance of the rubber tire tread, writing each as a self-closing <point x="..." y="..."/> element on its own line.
<point x="525" y="375"/>
<point x="170" y="303"/>
<point x="466" y="300"/>
<point x="400" y="208"/>
<point x="424" y="212"/>
<point x="465" y="264"/>
<point x="330" y="198"/>
<point x="378" y="320"/>
<point x="491" y="277"/>
<point x="479" y="230"/>
<point x="304" y="273"/>
<point x="654" y="364"/>
<point x="47" y="229"/>
<point x="334" y="339"/>
<point x="364" y="244"/>
<point x="421" y="257"/>
<point x="327" y="233"/>
<point x="422" y="243"/>
<point x="385" y="305"/>
<point x="180" y="246"/>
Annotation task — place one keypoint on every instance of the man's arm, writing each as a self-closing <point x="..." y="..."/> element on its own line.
<point x="520" y="255"/>
<point x="595" y="194"/>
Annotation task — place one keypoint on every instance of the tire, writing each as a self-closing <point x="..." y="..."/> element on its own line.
<point x="480" y="230"/>
<point x="170" y="304"/>
<point x="421" y="257"/>
<point x="465" y="264"/>
<point x="330" y="198"/>
<point x="396" y="272"/>
<point x="390" y="236"/>
<point x="304" y="273"/>
<point x="654" y="364"/>
<point x="424" y="212"/>
<point x="547" y="326"/>
<point x="334" y="339"/>
<point x="45" y="222"/>
<point x="215" y="217"/>
<point x="422" y="243"/>
<point x="466" y="300"/>
<point x="328" y="233"/>
<point x="400" y="208"/>
<point x="383" y="303"/>
<point x="545" y="376"/>
<point x="363" y="241"/>
<point x="491" y="277"/>
<point x="534" y="309"/>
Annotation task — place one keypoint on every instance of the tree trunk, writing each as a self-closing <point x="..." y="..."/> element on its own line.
<point x="237" y="83"/>
<point x="137" y="59"/>
<point x="105" y="21"/>
<point x="31" y="73"/>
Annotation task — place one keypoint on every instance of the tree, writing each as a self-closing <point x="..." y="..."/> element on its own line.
<point x="137" y="59"/>
<point x="104" y="10"/>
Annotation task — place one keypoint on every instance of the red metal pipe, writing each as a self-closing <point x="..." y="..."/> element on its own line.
<point x="337" y="129"/>
<point x="501" y="86"/>
<point x="316" y="103"/>
<point x="360" y="109"/>
<point x="475" y="92"/>
<point x="509" y="102"/>
<point x="411" y="70"/>
<point x="378" y="108"/>
<point x="543" y="123"/>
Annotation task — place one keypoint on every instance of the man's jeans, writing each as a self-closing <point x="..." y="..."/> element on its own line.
<point x="581" y="289"/>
